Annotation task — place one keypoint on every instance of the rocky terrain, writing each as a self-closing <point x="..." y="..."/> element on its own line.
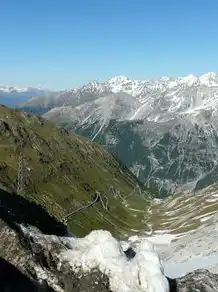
<point x="40" y="262"/>
<point x="164" y="131"/>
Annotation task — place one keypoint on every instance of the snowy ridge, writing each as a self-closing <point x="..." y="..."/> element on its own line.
<point x="159" y="99"/>
<point x="138" y="87"/>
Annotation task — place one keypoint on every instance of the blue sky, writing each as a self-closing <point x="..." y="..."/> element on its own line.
<point x="65" y="43"/>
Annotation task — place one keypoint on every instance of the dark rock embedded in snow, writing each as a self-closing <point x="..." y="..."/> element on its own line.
<point x="43" y="262"/>
<point x="36" y="269"/>
<point x="130" y="253"/>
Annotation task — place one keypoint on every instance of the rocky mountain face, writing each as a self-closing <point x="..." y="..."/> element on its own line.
<point x="164" y="131"/>
<point x="64" y="172"/>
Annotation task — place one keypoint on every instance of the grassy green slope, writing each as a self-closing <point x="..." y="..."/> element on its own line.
<point x="62" y="172"/>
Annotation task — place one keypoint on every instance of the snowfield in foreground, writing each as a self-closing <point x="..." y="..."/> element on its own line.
<point x="156" y="257"/>
<point x="181" y="254"/>
<point x="99" y="250"/>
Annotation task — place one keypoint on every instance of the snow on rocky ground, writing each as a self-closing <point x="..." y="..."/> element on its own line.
<point x="179" y="254"/>
<point x="183" y="253"/>
<point x="187" y="235"/>
<point x="99" y="250"/>
<point x="172" y="255"/>
<point x="197" y="249"/>
<point x="179" y="214"/>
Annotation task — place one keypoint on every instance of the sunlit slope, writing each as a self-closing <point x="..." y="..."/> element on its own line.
<point x="63" y="171"/>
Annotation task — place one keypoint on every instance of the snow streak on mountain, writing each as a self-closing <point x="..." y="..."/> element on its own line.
<point x="164" y="130"/>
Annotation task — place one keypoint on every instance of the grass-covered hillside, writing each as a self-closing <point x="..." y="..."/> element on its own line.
<point x="63" y="171"/>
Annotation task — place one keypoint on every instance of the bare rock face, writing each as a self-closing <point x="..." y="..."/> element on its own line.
<point x="35" y="268"/>
<point x="4" y="127"/>
<point x="197" y="281"/>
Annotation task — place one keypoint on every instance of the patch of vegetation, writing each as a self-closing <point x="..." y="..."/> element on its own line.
<point x="64" y="170"/>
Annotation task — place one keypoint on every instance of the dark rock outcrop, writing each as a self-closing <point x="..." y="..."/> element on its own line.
<point x="4" y="127"/>
<point x="197" y="281"/>
<point x="95" y="281"/>
<point x="15" y="210"/>
<point x="12" y="280"/>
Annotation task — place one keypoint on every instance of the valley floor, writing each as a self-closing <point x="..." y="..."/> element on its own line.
<point x="197" y="249"/>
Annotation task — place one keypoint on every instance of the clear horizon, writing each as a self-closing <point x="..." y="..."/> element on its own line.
<point x="65" y="44"/>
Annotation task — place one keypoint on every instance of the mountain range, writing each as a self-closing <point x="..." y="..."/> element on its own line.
<point x="164" y="130"/>
<point x="12" y="95"/>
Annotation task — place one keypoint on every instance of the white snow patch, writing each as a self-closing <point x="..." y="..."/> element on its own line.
<point x="162" y="231"/>
<point x="176" y="270"/>
<point x="100" y="250"/>
<point x="206" y="218"/>
<point x="212" y="200"/>
<point x="163" y="239"/>
<point x="196" y="250"/>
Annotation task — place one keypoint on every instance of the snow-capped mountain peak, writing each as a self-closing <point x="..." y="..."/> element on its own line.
<point x="124" y="84"/>
<point x="119" y="79"/>
<point x="14" y="95"/>
<point x="190" y="79"/>
<point x="209" y="79"/>
<point x="93" y="87"/>
<point x="139" y="88"/>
